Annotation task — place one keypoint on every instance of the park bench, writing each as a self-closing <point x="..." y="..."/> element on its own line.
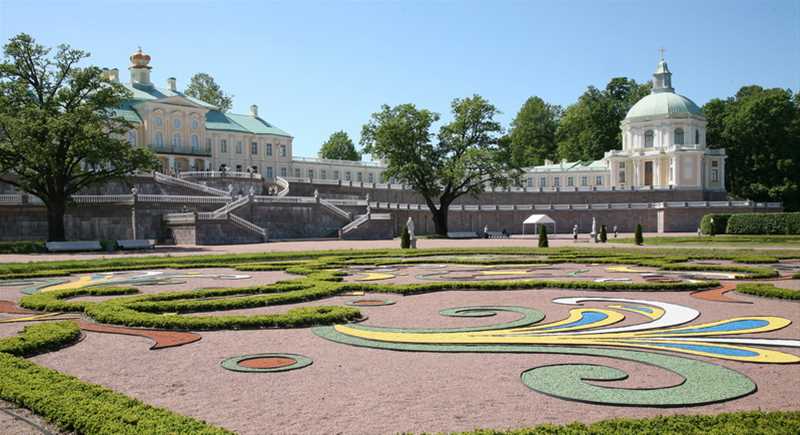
<point x="93" y="245"/>
<point x="136" y="244"/>
<point x="462" y="235"/>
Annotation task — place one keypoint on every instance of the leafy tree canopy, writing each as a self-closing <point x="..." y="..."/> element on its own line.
<point x="590" y="127"/>
<point x="463" y="158"/>
<point x="339" y="147"/>
<point x="533" y="132"/>
<point x="203" y="87"/>
<point x="760" y="131"/>
<point x="59" y="132"/>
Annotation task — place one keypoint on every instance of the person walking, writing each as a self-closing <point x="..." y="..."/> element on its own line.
<point x="615" y="231"/>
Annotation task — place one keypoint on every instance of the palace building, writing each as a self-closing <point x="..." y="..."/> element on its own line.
<point x="191" y="135"/>
<point x="664" y="142"/>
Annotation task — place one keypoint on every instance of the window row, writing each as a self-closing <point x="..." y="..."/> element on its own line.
<point x="677" y="137"/>
<point x="176" y="122"/>
<point x="254" y="148"/>
<point x="569" y="180"/>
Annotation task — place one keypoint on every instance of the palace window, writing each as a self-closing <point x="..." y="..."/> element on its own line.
<point x="283" y="172"/>
<point x="678" y="136"/>
<point x="347" y="176"/>
<point x="254" y="148"/>
<point x="335" y="175"/>
<point x="269" y="171"/>
<point x="323" y="174"/>
<point x="697" y="137"/>
<point x="268" y="149"/>
<point x="598" y="181"/>
<point x="648" y="139"/>
<point x="584" y="180"/>
<point x="370" y="178"/>
<point x="132" y="137"/>
<point x="223" y="146"/>
<point x="297" y="172"/>
<point x="715" y="175"/>
<point x="283" y="150"/>
<point x="556" y="181"/>
<point x="530" y="181"/>
<point x="176" y="139"/>
<point x="542" y="181"/>
<point x="239" y="147"/>
<point x="359" y="177"/>
<point x="310" y="173"/>
<point x="176" y="123"/>
<point x="570" y="181"/>
<point x="195" y="142"/>
<point x="195" y="123"/>
<point x="158" y="122"/>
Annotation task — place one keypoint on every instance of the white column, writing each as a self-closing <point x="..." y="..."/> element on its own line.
<point x="657" y="172"/>
<point x="171" y="162"/>
<point x="722" y="173"/>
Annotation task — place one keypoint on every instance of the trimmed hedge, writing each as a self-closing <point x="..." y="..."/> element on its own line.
<point x="764" y="223"/>
<point x="35" y="339"/>
<point x="768" y="291"/>
<point x="720" y="223"/>
<point x="81" y="407"/>
<point x="751" y="422"/>
<point x="23" y="247"/>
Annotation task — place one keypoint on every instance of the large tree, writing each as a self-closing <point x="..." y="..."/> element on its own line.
<point x="58" y="129"/>
<point x="760" y="131"/>
<point x="590" y="127"/>
<point x="339" y="147"/>
<point x="464" y="158"/>
<point x="533" y="132"/>
<point x="203" y="87"/>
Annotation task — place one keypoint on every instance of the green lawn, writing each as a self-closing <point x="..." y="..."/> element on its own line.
<point x="722" y="239"/>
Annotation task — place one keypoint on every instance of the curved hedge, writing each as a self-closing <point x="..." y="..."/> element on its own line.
<point x="35" y="339"/>
<point x="764" y="223"/>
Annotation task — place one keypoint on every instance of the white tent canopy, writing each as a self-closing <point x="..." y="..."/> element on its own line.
<point x="536" y="220"/>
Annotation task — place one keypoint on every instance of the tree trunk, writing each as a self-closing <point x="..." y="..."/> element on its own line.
<point x="55" y="220"/>
<point x="440" y="220"/>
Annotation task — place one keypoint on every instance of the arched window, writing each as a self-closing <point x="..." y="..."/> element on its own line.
<point x="159" y="139"/>
<point x="648" y="139"/>
<point x="697" y="137"/>
<point x="678" y="136"/>
<point x="195" y="142"/>
<point x="176" y="123"/>
<point x="176" y="139"/>
<point x="132" y="137"/>
<point x="195" y="123"/>
<point x="157" y="121"/>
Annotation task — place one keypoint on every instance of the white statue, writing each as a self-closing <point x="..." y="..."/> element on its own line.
<point x="252" y="190"/>
<point x="410" y="227"/>
<point x="594" y="230"/>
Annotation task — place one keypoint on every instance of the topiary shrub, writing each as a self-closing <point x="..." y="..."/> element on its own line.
<point x="603" y="234"/>
<point x="764" y="223"/>
<point x="543" y="243"/>
<point x="405" y="239"/>
<point x="720" y="224"/>
<point x="638" y="238"/>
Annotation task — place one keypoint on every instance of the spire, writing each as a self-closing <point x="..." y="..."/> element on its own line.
<point x="662" y="78"/>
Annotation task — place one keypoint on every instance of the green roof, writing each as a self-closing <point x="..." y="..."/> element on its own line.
<point x="215" y="119"/>
<point x="664" y="105"/>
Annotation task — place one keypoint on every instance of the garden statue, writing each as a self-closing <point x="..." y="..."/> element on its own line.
<point x="412" y="236"/>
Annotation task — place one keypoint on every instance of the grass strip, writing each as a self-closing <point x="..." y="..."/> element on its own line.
<point x="748" y="422"/>
<point x="768" y="291"/>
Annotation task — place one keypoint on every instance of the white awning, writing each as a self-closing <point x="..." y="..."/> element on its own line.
<point x="539" y="219"/>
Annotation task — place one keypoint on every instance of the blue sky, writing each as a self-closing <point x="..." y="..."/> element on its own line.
<point x="318" y="67"/>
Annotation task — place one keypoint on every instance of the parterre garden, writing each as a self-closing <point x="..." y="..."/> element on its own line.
<point x="631" y="306"/>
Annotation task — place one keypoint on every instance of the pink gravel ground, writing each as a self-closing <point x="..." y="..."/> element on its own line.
<point x="358" y="390"/>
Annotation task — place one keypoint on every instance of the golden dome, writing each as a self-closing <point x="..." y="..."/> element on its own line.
<point x="139" y="59"/>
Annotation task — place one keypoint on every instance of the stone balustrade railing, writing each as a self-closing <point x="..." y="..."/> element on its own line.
<point x="220" y="174"/>
<point x="585" y="206"/>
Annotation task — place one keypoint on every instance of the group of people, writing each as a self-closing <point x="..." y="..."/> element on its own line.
<point x="593" y="234"/>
